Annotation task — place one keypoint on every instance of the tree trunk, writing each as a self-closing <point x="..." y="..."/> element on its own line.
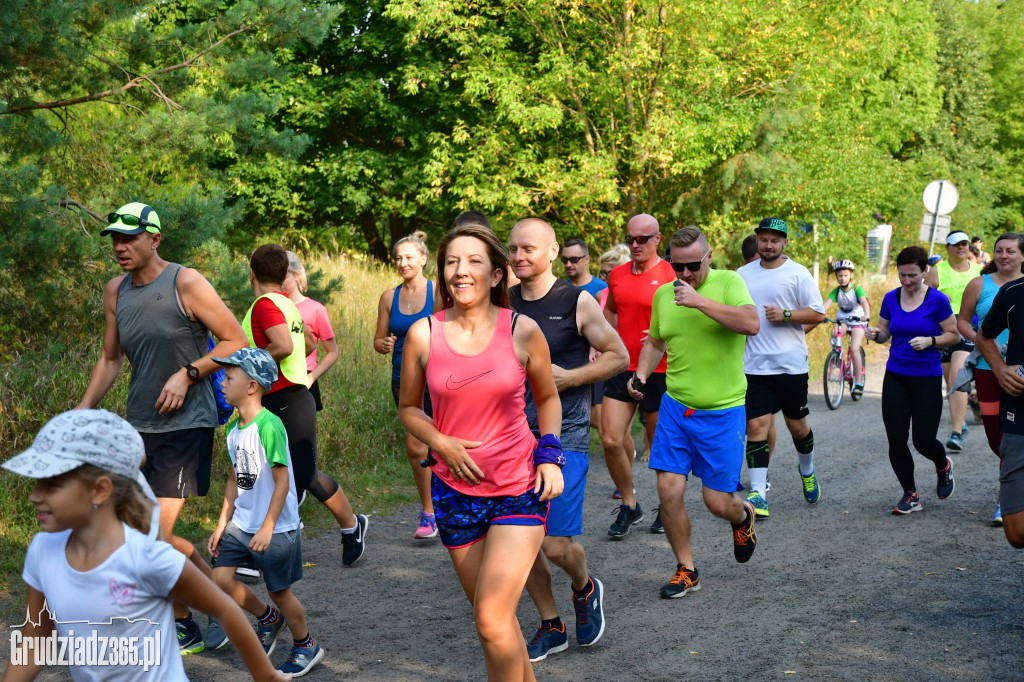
<point x="377" y="248"/>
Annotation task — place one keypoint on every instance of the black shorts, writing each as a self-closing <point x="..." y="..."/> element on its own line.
<point x="596" y="393"/>
<point x="427" y="406"/>
<point x="947" y="353"/>
<point x="768" y="394"/>
<point x="615" y="388"/>
<point x="296" y="409"/>
<point x="178" y="462"/>
<point x="315" y="390"/>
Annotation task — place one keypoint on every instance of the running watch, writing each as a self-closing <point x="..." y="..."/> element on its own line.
<point x="786" y="314"/>
<point x="193" y="373"/>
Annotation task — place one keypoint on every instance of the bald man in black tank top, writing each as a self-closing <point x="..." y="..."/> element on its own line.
<point x="572" y="322"/>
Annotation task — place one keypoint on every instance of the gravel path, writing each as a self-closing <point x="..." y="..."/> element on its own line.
<point x="839" y="590"/>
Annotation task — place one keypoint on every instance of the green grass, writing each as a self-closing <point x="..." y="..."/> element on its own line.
<point x="361" y="442"/>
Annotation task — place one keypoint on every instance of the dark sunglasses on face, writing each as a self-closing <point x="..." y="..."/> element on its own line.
<point x="129" y="220"/>
<point x="692" y="267"/>
<point x="641" y="239"/>
<point x="604" y="274"/>
<point x="572" y="259"/>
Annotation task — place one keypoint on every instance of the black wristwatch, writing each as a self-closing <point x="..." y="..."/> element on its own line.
<point x="193" y="373"/>
<point x="786" y="314"/>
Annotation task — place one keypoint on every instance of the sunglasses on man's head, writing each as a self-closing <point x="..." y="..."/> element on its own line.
<point x="130" y="220"/>
<point x="572" y="259"/>
<point x="692" y="267"/>
<point x="640" y="239"/>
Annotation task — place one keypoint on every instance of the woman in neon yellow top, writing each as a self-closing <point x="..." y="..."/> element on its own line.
<point x="951" y="276"/>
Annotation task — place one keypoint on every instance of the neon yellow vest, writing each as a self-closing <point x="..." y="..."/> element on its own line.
<point x="953" y="283"/>
<point x="293" y="367"/>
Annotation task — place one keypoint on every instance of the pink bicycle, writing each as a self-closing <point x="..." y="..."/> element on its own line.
<point x="839" y="367"/>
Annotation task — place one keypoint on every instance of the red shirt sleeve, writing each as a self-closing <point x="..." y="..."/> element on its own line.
<point x="265" y="314"/>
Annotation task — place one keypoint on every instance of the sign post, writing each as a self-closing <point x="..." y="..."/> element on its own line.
<point x="940" y="198"/>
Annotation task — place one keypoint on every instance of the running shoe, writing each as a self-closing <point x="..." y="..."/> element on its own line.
<point x="760" y="504"/>
<point x="548" y="640"/>
<point x="685" y="580"/>
<point x="302" y="659"/>
<point x="215" y="636"/>
<point x="910" y="502"/>
<point x="190" y="637"/>
<point x="626" y="519"/>
<point x="268" y="628"/>
<point x="857" y="390"/>
<point x="616" y="495"/>
<point x="589" y="614"/>
<point x="354" y="544"/>
<point x="944" y="488"/>
<point x="964" y="430"/>
<point x="955" y="442"/>
<point x="997" y="518"/>
<point x="247" y="572"/>
<point x="656" y="527"/>
<point x="427" y="528"/>
<point x="743" y="536"/>
<point x="811" y="490"/>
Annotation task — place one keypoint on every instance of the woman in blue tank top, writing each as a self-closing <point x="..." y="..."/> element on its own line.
<point x="1007" y="266"/>
<point x="398" y="308"/>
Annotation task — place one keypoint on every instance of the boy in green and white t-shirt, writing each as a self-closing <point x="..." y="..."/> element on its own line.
<point x="259" y="521"/>
<point x="854" y="311"/>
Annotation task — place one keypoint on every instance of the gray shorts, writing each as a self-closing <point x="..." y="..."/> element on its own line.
<point x="1011" y="474"/>
<point x="280" y="563"/>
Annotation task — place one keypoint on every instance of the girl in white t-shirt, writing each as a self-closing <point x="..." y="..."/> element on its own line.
<point x="98" y="579"/>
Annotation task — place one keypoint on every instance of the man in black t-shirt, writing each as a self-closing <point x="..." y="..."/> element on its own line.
<point x="1007" y="312"/>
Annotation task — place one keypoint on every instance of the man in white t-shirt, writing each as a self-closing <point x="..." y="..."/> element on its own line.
<point x="775" y="360"/>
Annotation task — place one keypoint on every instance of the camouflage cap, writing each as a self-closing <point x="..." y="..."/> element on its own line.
<point x="256" y="362"/>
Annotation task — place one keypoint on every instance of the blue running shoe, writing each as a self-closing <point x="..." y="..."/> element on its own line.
<point x="190" y="637"/>
<point x="548" y="640"/>
<point x="215" y="635"/>
<point x="811" y="490"/>
<point x="589" y="614"/>
<point x="267" y="630"/>
<point x="760" y="504"/>
<point x="302" y="659"/>
<point x="997" y="518"/>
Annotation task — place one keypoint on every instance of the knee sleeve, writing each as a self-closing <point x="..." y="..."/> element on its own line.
<point x="805" y="446"/>
<point x="757" y="454"/>
<point x="322" y="487"/>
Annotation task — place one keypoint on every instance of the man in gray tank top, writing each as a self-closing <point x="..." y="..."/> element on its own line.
<point x="158" y="315"/>
<point x="572" y="323"/>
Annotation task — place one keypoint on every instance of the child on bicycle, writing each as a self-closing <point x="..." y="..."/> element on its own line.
<point x="853" y="314"/>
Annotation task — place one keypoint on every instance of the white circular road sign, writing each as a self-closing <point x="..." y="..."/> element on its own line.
<point x="940" y="197"/>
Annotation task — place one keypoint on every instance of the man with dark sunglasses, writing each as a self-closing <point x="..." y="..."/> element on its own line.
<point x="631" y="288"/>
<point x="775" y="361"/>
<point x="159" y="315"/>
<point x="576" y="259"/>
<point x="701" y="321"/>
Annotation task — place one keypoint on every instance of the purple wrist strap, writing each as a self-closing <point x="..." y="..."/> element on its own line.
<point x="549" y="451"/>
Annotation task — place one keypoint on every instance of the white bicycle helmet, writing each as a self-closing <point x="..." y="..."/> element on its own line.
<point x="843" y="265"/>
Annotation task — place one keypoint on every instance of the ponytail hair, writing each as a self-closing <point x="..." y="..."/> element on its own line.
<point x="417" y="239"/>
<point x="130" y="504"/>
<point x="1013" y="236"/>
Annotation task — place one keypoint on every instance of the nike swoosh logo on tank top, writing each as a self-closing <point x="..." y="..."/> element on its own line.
<point x="456" y="384"/>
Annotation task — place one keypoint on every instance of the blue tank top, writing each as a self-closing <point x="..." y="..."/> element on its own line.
<point x="399" y="325"/>
<point x="989" y="289"/>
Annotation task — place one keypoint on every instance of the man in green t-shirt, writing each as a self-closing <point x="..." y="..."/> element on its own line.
<point x="701" y="320"/>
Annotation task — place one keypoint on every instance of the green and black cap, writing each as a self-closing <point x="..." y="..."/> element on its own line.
<point x="133" y="218"/>
<point x="776" y="224"/>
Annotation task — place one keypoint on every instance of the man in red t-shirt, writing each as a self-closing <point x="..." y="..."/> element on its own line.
<point x="631" y="288"/>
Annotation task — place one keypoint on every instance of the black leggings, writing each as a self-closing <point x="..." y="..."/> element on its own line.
<point x="907" y="399"/>
<point x="296" y="408"/>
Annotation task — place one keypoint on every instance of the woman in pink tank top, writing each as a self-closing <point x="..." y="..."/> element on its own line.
<point x="490" y="498"/>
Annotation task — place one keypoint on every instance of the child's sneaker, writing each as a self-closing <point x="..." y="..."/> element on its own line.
<point x="268" y="628"/>
<point x="354" y="544"/>
<point x="427" y="528"/>
<point x="302" y="660"/>
<point x="190" y="637"/>
<point x="215" y="635"/>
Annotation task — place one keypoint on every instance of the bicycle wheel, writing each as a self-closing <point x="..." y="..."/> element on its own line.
<point x="833" y="380"/>
<point x="863" y="364"/>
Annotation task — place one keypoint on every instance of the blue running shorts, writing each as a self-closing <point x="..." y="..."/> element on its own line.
<point x="281" y="562"/>
<point x="708" y="443"/>
<point x="566" y="517"/>
<point x="465" y="519"/>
